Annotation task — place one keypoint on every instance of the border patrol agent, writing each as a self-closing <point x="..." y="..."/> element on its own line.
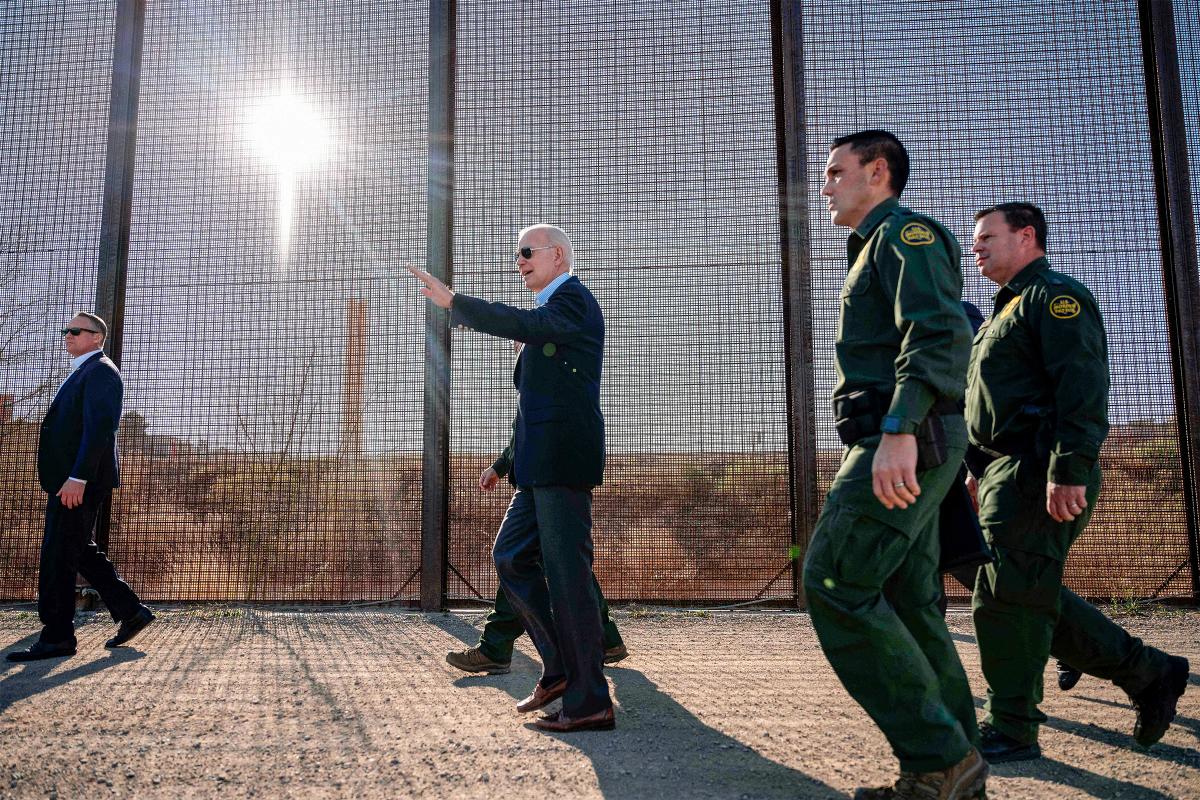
<point x="870" y="574"/>
<point x="1037" y="410"/>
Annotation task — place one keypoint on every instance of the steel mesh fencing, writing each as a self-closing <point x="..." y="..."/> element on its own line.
<point x="273" y="357"/>
<point x="1048" y="107"/>
<point x="646" y="130"/>
<point x="1187" y="37"/>
<point x="55" y="75"/>
<point x="1187" y="34"/>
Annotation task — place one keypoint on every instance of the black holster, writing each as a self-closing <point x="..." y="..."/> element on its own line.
<point x="858" y="414"/>
<point x="931" y="442"/>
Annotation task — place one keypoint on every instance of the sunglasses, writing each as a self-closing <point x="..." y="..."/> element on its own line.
<point x="77" y="331"/>
<point x="527" y="252"/>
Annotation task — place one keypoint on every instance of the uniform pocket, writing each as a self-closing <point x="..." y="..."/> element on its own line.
<point x="858" y="280"/>
<point x="852" y="548"/>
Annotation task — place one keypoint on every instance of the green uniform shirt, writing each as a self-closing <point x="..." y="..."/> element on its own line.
<point x="1040" y="367"/>
<point x="902" y="332"/>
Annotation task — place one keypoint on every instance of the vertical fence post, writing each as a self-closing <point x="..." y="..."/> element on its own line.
<point x="435" y="481"/>
<point x="113" y="257"/>
<point x="1177" y="235"/>
<point x="787" y="42"/>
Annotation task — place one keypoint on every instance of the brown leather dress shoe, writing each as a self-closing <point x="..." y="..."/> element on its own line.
<point x="560" y="723"/>
<point x="542" y="697"/>
<point x="614" y="654"/>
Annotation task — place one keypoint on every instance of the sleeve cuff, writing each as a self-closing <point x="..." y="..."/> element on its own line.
<point x="911" y="401"/>
<point x="500" y="465"/>
<point x="1070" y="469"/>
<point x="77" y="480"/>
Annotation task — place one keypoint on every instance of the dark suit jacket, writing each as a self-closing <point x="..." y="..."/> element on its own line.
<point x="79" y="433"/>
<point x="558" y="435"/>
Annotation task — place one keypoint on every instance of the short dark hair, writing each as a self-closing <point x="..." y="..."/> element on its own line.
<point x="1018" y="216"/>
<point x="874" y="144"/>
<point x="100" y="324"/>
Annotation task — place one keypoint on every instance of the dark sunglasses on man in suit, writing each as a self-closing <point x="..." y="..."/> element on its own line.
<point x="77" y="331"/>
<point x="527" y="252"/>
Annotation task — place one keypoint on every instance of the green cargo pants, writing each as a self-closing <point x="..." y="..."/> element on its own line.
<point x="503" y="628"/>
<point x="871" y="581"/>
<point x="1023" y="612"/>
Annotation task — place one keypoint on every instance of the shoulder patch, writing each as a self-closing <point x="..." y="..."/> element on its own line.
<point x="916" y="234"/>
<point x="1064" y="307"/>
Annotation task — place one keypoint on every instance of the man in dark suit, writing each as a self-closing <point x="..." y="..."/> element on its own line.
<point x="543" y="552"/>
<point x="78" y="469"/>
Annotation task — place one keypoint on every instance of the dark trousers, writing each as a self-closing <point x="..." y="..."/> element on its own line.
<point x="504" y="627"/>
<point x="69" y="548"/>
<point x="869" y="575"/>
<point x="543" y="556"/>
<point x="1023" y="613"/>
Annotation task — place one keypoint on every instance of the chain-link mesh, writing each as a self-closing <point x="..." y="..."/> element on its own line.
<point x="1048" y="107"/>
<point x="646" y="130"/>
<point x="55" y="78"/>
<point x="1187" y="35"/>
<point x="273" y="358"/>
<point x="274" y="355"/>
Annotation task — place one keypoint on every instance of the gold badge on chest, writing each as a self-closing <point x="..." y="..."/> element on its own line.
<point x="1011" y="307"/>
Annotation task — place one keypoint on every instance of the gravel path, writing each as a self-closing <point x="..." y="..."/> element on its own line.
<point x="232" y="702"/>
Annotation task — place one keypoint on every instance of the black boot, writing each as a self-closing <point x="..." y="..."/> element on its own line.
<point x="1156" y="703"/>
<point x="1068" y="676"/>
<point x="998" y="747"/>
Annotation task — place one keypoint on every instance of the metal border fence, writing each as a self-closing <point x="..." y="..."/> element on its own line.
<point x="463" y="121"/>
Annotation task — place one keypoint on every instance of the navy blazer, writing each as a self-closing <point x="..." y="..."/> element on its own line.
<point x="558" y="435"/>
<point x="79" y="432"/>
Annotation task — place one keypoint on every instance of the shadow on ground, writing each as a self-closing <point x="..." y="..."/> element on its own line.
<point x="20" y="681"/>
<point x="706" y="763"/>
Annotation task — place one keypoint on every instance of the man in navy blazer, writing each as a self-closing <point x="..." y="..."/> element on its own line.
<point x="78" y="469"/>
<point x="543" y="551"/>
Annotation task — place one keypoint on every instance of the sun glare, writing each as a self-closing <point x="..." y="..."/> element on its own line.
<point x="288" y="134"/>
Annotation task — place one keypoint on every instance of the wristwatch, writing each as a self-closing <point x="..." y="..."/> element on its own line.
<point x="892" y="424"/>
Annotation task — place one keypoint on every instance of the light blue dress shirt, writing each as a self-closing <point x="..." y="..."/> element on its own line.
<point x="543" y="296"/>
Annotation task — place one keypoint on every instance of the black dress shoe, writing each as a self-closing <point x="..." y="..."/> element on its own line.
<point x="1156" y="704"/>
<point x="1068" y="676"/>
<point x="999" y="748"/>
<point x="40" y="650"/>
<point x="131" y="627"/>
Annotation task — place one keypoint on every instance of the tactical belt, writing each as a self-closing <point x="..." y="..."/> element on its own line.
<point x="979" y="458"/>
<point x="859" y="414"/>
<point x="990" y="452"/>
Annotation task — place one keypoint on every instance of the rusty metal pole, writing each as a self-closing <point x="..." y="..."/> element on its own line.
<point x="1177" y="236"/>
<point x="435" y="480"/>
<point x="113" y="257"/>
<point x="787" y="41"/>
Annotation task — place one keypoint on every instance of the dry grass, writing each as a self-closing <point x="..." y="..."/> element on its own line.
<point x="712" y="528"/>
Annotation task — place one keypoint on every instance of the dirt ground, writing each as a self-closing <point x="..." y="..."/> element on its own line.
<point x="256" y="702"/>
